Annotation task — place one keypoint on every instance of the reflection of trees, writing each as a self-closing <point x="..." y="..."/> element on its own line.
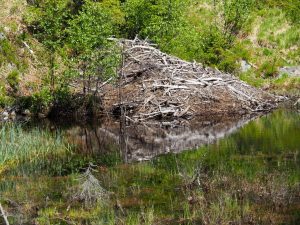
<point x="143" y="142"/>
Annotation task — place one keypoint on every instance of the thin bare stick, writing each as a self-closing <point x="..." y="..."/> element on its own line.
<point x="3" y="213"/>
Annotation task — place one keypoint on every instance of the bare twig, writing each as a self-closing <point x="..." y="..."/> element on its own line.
<point x="3" y="213"/>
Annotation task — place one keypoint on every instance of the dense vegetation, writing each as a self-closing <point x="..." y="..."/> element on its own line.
<point x="67" y="39"/>
<point x="51" y="51"/>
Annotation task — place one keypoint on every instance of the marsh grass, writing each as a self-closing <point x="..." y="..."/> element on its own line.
<point x="250" y="177"/>
<point x="29" y="148"/>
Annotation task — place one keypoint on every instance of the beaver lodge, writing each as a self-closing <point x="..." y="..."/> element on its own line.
<point x="154" y="85"/>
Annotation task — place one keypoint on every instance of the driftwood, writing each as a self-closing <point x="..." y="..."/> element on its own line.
<point x="3" y="214"/>
<point x="168" y="87"/>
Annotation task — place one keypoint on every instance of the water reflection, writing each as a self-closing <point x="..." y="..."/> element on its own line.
<point x="143" y="142"/>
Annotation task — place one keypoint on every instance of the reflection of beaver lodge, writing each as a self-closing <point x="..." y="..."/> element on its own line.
<point x="144" y="142"/>
<point x="156" y="85"/>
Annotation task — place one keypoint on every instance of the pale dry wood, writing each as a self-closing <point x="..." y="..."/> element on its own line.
<point x="165" y="79"/>
<point x="3" y="213"/>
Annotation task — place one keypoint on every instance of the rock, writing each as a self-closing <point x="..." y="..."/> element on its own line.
<point x="11" y="66"/>
<point x="13" y="114"/>
<point x="245" y="66"/>
<point x="42" y="115"/>
<point x="2" y="36"/>
<point x="6" y="29"/>
<point x="26" y="112"/>
<point x="292" y="71"/>
<point x="5" y="114"/>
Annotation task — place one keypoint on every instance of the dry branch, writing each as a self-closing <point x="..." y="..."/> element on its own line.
<point x="3" y="214"/>
<point x="155" y="80"/>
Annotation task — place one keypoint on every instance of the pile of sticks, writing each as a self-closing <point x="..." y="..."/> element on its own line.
<point x="166" y="86"/>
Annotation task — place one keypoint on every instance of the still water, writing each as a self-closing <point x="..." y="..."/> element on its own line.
<point x="243" y="171"/>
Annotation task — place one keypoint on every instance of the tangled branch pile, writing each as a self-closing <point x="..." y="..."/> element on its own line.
<point x="157" y="85"/>
<point x="90" y="190"/>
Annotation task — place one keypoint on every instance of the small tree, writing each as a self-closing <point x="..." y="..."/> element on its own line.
<point x="48" y="21"/>
<point x="234" y="15"/>
<point x="91" y="50"/>
<point x="155" y="19"/>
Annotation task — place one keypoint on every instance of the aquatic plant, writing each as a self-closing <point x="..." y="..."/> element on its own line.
<point x="20" y="147"/>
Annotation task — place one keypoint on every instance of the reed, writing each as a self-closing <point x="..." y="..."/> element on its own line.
<point x="19" y="147"/>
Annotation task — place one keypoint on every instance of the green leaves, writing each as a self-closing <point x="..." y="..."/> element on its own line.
<point x="48" y="22"/>
<point x="90" y="28"/>
<point x="155" y="19"/>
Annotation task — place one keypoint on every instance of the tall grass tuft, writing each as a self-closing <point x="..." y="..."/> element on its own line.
<point x="28" y="147"/>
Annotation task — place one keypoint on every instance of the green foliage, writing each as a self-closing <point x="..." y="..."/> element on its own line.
<point x="213" y="45"/>
<point x="48" y="20"/>
<point x="37" y="102"/>
<point x="4" y="99"/>
<point x="90" y="28"/>
<point x="269" y="68"/>
<point x="41" y="100"/>
<point x="235" y="13"/>
<point x="93" y="54"/>
<point x="13" y="79"/>
<point x="8" y="53"/>
<point x="156" y="19"/>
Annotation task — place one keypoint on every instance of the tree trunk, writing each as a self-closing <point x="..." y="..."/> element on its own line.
<point x="52" y="70"/>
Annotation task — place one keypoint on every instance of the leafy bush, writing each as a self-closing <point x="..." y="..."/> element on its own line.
<point x="13" y="79"/>
<point x="41" y="100"/>
<point x="155" y="19"/>
<point x="7" y="53"/>
<point x="235" y="14"/>
<point x="269" y="68"/>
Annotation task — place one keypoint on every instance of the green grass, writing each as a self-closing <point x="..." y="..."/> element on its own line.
<point x="254" y="168"/>
<point x="18" y="146"/>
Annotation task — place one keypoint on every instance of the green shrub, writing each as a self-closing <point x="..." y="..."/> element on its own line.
<point x="5" y="101"/>
<point x="229" y="62"/>
<point x="37" y="102"/>
<point x="269" y="68"/>
<point x="156" y="20"/>
<point x="235" y="14"/>
<point x="7" y="53"/>
<point x="62" y="95"/>
<point x="41" y="100"/>
<point x="13" y="79"/>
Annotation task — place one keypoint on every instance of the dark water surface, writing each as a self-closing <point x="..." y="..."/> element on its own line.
<point x="210" y="172"/>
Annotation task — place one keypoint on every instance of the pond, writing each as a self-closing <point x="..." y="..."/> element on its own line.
<point x="243" y="171"/>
